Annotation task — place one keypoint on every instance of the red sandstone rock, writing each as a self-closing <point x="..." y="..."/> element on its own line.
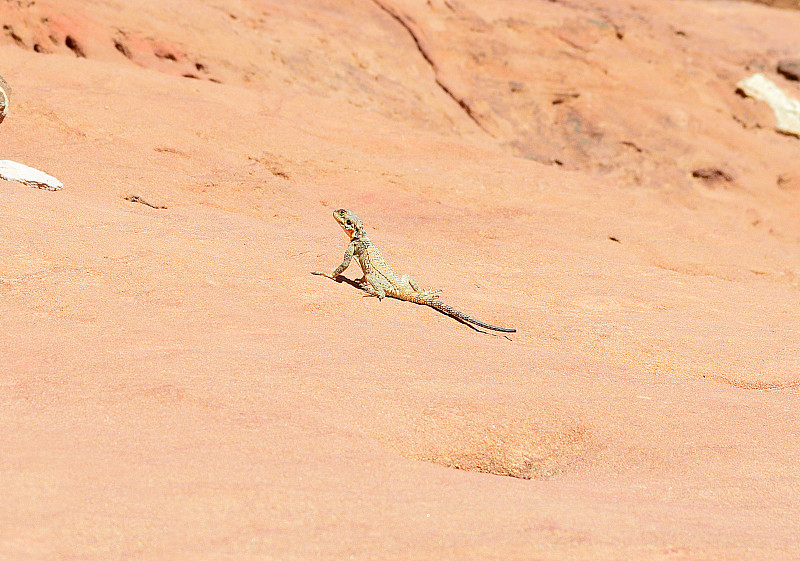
<point x="176" y="384"/>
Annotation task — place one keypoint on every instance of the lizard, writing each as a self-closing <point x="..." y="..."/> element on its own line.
<point x="379" y="278"/>
<point x="138" y="199"/>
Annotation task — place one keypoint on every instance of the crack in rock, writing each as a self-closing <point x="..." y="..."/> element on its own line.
<point x="459" y="100"/>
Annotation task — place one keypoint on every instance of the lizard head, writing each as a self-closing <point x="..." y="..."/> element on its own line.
<point x="350" y="223"/>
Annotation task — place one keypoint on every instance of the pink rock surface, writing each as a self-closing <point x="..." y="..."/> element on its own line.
<point x="175" y="383"/>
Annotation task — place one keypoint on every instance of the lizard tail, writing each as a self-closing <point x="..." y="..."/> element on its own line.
<point x="452" y="312"/>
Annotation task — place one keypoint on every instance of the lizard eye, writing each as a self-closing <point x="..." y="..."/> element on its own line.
<point x="349" y="222"/>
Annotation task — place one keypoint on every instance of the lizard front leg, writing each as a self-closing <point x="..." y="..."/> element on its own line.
<point x="348" y="256"/>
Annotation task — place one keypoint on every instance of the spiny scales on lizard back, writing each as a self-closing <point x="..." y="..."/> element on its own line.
<point x="380" y="279"/>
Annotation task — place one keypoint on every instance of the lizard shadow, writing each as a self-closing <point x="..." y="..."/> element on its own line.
<point x="355" y="284"/>
<point x="358" y="285"/>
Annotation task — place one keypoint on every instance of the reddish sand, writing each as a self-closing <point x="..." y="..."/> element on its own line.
<point x="176" y="385"/>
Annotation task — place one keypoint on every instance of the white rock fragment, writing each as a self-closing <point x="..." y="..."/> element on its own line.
<point x="12" y="171"/>
<point x="787" y="109"/>
<point x="5" y="98"/>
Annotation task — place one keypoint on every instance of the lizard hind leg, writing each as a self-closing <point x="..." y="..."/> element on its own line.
<point x="409" y="282"/>
<point x="372" y="288"/>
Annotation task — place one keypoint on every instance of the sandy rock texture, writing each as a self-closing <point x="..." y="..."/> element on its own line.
<point x="174" y="383"/>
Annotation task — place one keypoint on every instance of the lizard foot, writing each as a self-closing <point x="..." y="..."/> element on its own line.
<point x="373" y="295"/>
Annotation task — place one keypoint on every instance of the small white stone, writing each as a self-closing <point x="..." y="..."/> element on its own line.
<point x="5" y="95"/>
<point x="12" y="171"/>
<point x="787" y="109"/>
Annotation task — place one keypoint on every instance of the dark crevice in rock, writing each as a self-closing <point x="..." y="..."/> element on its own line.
<point x="461" y="102"/>
<point x="122" y="48"/>
<point x="74" y="46"/>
